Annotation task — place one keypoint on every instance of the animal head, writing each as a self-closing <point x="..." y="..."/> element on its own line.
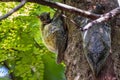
<point x="45" y="18"/>
<point x="98" y="9"/>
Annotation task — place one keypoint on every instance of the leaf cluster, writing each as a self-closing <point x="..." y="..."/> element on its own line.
<point x="21" y="45"/>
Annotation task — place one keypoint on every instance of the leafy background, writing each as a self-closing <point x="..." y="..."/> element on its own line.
<point x="21" y="45"/>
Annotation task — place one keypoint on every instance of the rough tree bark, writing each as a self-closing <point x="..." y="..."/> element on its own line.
<point x="77" y="67"/>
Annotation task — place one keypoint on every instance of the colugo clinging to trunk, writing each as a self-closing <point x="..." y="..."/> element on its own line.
<point x="54" y="34"/>
<point x="96" y="42"/>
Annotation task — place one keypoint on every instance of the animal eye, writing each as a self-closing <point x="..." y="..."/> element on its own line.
<point x="41" y="17"/>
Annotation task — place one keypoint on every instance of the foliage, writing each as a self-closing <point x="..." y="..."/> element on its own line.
<point x="21" y="45"/>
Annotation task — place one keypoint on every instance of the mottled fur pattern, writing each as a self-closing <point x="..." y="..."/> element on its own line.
<point x="54" y="34"/>
<point x="97" y="43"/>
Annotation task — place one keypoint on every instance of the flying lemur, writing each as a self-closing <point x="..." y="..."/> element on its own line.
<point x="96" y="42"/>
<point x="54" y="34"/>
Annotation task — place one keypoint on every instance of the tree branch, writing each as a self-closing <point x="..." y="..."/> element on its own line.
<point x="62" y="7"/>
<point x="69" y="8"/>
<point x="118" y="2"/>
<point x="103" y="18"/>
<point x="14" y="10"/>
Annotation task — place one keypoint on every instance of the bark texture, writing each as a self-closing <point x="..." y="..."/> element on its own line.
<point x="77" y="67"/>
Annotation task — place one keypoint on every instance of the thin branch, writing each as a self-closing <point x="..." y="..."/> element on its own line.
<point x="71" y="21"/>
<point x="63" y="7"/>
<point x="103" y="18"/>
<point x="118" y="2"/>
<point x="68" y="8"/>
<point x="14" y="10"/>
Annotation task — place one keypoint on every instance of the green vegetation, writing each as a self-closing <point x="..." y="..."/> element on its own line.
<point x="21" y="45"/>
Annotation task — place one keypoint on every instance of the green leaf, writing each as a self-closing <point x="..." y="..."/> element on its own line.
<point x="21" y="44"/>
<point x="52" y="71"/>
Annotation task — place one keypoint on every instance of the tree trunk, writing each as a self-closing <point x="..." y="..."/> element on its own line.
<point x="77" y="67"/>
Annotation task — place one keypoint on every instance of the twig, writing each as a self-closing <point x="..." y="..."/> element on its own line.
<point x="103" y="18"/>
<point x="118" y="2"/>
<point x="14" y="10"/>
<point x="63" y="7"/>
<point x="60" y="6"/>
<point x="71" y="21"/>
<point x="68" y="8"/>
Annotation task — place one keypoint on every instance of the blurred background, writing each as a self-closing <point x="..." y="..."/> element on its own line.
<point x="21" y="47"/>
